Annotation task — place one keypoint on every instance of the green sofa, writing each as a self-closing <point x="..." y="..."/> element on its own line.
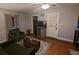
<point x="11" y="47"/>
<point x="16" y="35"/>
<point x="14" y="49"/>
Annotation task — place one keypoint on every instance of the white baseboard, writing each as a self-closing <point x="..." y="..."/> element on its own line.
<point x="68" y="40"/>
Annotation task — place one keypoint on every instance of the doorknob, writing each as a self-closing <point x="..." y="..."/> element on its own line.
<point x="56" y="28"/>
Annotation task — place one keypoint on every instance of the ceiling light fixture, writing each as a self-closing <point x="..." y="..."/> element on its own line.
<point x="45" y="6"/>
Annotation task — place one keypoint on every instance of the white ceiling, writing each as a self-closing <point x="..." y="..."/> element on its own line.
<point x="21" y="7"/>
<point x="26" y="7"/>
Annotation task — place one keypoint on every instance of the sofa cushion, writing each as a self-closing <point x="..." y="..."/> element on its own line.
<point x="2" y="52"/>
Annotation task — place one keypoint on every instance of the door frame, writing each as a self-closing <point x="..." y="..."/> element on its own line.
<point x="32" y="22"/>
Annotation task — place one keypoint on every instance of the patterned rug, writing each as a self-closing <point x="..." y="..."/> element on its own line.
<point x="43" y="50"/>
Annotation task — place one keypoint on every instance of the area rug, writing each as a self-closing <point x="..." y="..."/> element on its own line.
<point x="44" y="46"/>
<point x="73" y="52"/>
<point x="43" y="50"/>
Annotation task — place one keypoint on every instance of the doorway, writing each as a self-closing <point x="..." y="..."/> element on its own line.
<point x="35" y="20"/>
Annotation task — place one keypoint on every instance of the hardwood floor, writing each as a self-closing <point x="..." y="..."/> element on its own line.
<point x="58" y="47"/>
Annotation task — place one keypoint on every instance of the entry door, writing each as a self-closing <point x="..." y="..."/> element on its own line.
<point x="35" y="20"/>
<point x="52" y="24"/>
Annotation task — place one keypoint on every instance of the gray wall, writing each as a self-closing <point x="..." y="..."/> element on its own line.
<point x="22" y="23"/>
<point x="68" y="20"/>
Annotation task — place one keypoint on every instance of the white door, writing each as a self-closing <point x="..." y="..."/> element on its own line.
<point x="52" y="24"/>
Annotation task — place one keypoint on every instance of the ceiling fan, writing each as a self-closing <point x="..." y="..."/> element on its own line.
<point x="44" y="5"/>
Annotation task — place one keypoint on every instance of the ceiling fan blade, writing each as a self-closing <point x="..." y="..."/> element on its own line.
<point x="52" y="4"/>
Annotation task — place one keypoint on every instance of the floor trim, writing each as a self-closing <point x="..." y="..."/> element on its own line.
<point x="64" y="39"/>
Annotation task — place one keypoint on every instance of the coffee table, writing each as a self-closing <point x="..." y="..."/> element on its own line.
<point x="28" y="42"/>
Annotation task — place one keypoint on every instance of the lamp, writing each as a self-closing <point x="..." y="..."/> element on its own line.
<point x="45" y="6"/>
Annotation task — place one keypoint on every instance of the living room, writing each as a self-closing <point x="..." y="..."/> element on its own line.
<point x="20" y="15"/>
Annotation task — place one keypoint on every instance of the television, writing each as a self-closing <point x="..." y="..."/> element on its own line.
<point x="41" y="23"/>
